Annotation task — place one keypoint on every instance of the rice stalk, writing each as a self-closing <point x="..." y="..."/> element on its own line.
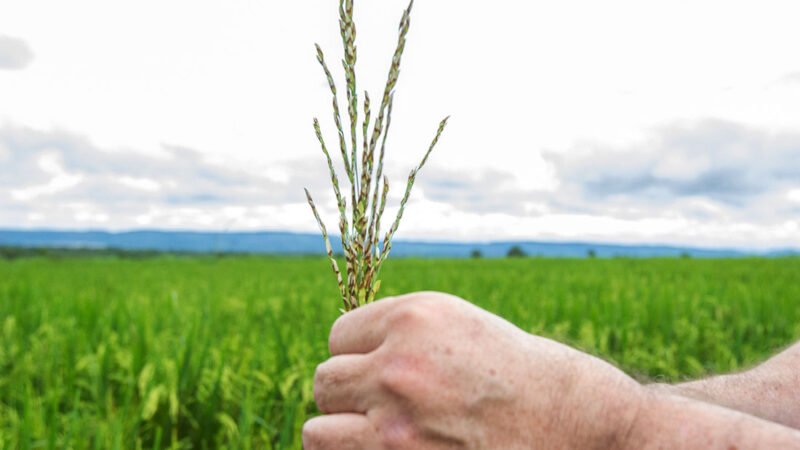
<point x="329" y="250"/>
<point x="337" y="117"/>
<point x="360" y="236"/>
<point x="374" y="221"/>
<point x="343" y="228"/>
<point x="412" y="177"/>
<point x="348" y="31"/>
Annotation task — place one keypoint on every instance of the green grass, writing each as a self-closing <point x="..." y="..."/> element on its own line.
<point x="104" y="353"/>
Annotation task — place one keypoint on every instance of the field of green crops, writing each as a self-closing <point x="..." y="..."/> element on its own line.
<point x="213" y="353"/>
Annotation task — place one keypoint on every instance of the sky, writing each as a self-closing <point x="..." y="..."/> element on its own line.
<point x="617" y="121"/>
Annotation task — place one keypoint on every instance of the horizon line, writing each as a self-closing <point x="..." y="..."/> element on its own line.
<point x="429" y="241"/>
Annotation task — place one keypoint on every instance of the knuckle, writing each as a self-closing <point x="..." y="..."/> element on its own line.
<point x="334" y="335"/>
<point x="321" y="375"/>
<point x="311" y="437"/>
<point x="323" y="381"/>
<point x="433" y="297"/>
<point x="442" y="300"/>
<point x="401" y="374"/>
<point x="411" y="314"/>
<point x="398" y="434"/>
<point x="423" y="309"/>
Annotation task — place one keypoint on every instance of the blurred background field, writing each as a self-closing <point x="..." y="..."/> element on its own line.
<point x="202" y="352"/>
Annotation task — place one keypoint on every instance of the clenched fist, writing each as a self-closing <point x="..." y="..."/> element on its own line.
<point x="431" y="371"/>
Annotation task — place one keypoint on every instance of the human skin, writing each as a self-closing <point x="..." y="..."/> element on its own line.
<point x="770" y="391"/>
<point x="431" y="371"/>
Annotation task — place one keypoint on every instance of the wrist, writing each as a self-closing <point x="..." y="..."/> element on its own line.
<point x="628" y="423"/>
<point x="611" y="405"/>
<point x="638" y="432"/>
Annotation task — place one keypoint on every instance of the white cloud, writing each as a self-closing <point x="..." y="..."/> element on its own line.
<point x="790" y="79"/>
<point x="706" y="182"/>
<point x="143" y="184"/>
<point x="59" y="181"/>
<point x="652" y="228"/>
<point x="236" y="88"/>
<point x="14" y="53"/>
<point x="92" y="217"/>
<point x="721" y="161"/>
<point x="682" y="167"/>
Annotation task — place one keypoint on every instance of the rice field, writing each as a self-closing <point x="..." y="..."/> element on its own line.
<point x="219" y="352"/>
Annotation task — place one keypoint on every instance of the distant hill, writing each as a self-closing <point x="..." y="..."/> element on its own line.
<point x="297" y="243"/>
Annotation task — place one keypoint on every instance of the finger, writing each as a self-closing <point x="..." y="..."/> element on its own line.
<point x="344" y="384"/>
<point x="362" y="330"/>
<point x="339" y="432"/>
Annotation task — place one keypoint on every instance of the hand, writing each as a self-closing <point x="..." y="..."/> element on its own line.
<point x="431" y="371"/>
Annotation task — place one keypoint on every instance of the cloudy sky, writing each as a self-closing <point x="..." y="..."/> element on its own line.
<point x="621" y="121"/>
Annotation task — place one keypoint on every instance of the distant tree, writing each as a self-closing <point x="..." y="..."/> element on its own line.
<point x="516" y="252"/>
<point x="476" y="254"/>
<point x="686" y="255"/>
<point x="591" y="253"/>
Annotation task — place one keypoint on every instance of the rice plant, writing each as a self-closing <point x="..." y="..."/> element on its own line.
<point x="360" y="228"/>
<point x="203" y="352"/>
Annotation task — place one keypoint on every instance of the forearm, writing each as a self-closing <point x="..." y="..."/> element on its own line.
<point x="667" y="421"/>
<point x="770" y="391"/>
